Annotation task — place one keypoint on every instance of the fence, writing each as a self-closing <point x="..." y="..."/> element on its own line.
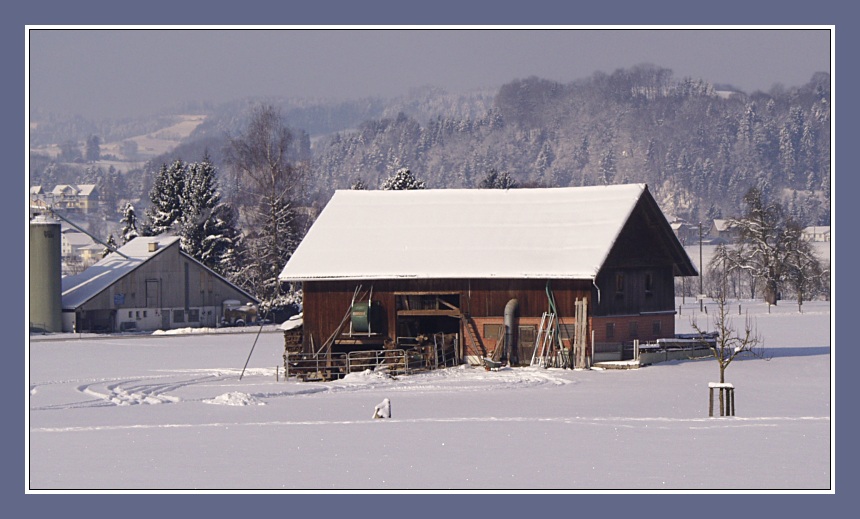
<point x="395" y="362"/>
<point x="310" y="367"/>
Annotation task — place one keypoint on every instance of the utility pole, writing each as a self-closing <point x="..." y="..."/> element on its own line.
<point x="701" y="289"/>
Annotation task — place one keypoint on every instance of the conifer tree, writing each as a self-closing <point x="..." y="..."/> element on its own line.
<point x="186" y="201"/>
<point x="402" y="179"/>
<point x="166" y="198"/>
<point x="199" y="197"/>
<point x="129" y="224"/>
<point x="111" y="246"/>
<point x="494" y="180"/>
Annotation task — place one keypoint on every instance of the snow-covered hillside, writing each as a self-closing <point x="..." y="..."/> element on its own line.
<point x="170" y="412"/>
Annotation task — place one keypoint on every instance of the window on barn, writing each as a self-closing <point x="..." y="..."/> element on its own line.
<point x="649" y="284"/>
<point x="633" y="330"/>
<point x="619" y="284"/>
<point x="493" y="331"/>
<point x="194" y="315"/>
<point x="179" y="316"/>
<point x="567" y="331"/>
<point x="656" y="327"/>
<point x="610" y="331"/>
<point x="528" y="334"/>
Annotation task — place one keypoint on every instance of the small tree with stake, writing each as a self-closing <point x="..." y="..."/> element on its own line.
<point x="730" y="343"/>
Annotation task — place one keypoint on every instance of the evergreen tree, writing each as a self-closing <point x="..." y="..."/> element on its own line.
<point x="93" y="148"/>
<point x="607" y="167"/>
<point x="111" y="246"/>
<point x="494" y="180"/>
<point x="198" y="198"/>
<point x="186" y="201"/>
<point x="222" y="247"/>
<point x="166" y="198"/>
<point x="403" y="179"/>
<point x="129" y="224"/>
<point x="270" y="247"/>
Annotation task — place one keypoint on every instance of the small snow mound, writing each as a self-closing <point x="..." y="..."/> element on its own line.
<point x="182" y="331"/>
<point x="367" y="375"/>
<point x="234" y="398"/>
<point x="293" y="322"/>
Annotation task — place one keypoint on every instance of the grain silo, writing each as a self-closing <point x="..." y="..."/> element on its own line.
<point x="45" y="275"/>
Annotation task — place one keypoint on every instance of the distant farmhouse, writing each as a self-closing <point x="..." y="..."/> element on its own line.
<point x="595" y="265"/>
<point x="722" y="231"/>
<point x="819" y="233"/>
<point x="148" y="284"/>
<point x="686" y="233"/>
<point x="71" y="199"/>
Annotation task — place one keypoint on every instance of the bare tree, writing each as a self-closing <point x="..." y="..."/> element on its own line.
<point x="770" y="249"/>
<point x="729" y="342"/>
<point x="267" y="187"/>
<point x="803" y="270"/>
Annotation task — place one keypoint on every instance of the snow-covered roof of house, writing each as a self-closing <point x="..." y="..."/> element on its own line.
<point x="722" y="224"/>
<point x="559" y="233"/>
<point x="86" y="189"/>
<point x="77" y="239"/>
<point x="80" y="288"/>
<point x="64" y="189"/>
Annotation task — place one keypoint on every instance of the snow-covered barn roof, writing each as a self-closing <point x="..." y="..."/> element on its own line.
<point x="558" y="233"/>
<point x="80" y="288"/>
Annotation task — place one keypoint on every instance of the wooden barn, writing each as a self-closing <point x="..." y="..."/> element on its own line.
<point x="560" y="276"/>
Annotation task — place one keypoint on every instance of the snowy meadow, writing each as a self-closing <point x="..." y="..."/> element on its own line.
<point x="170" y="412"/>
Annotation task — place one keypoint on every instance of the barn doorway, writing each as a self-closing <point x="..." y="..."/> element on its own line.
<point x="427" y="313"/>
<point x="426" y="319"/>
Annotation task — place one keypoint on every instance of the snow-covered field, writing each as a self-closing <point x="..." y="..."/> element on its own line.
<point x="166" y="412"/>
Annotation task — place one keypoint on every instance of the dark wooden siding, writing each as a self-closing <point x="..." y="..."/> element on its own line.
<point x="326" y="302"/>
<point x="645" y="260"/>
<point x="635" y="297"/>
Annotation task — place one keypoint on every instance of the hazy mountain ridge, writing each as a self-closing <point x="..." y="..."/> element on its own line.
<point x="698" y="148"/>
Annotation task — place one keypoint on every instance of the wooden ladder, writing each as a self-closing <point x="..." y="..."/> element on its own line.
<point x="469" y="325"/>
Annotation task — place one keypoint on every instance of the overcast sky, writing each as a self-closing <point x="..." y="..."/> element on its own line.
<point x="116" y="73"/>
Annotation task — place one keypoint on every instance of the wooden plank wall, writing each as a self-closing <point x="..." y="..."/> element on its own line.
<point x="326" y="302"/>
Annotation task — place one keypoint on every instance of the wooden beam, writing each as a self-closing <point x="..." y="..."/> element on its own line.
<point x="429" y="313"/>
<point x="449" y="305"/>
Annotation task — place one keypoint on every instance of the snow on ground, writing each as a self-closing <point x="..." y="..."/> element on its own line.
<point x="158" y="412"/>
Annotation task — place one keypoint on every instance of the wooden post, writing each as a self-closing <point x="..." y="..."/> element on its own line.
<point x="727" y="398"/>
<point x="732" y="401"/>
<point x="711" y="401"/>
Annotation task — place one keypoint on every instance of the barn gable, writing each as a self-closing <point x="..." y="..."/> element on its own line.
<point x="149" y="283"/>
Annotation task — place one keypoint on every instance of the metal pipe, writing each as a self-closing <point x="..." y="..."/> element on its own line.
<point x="511" y="349"/>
